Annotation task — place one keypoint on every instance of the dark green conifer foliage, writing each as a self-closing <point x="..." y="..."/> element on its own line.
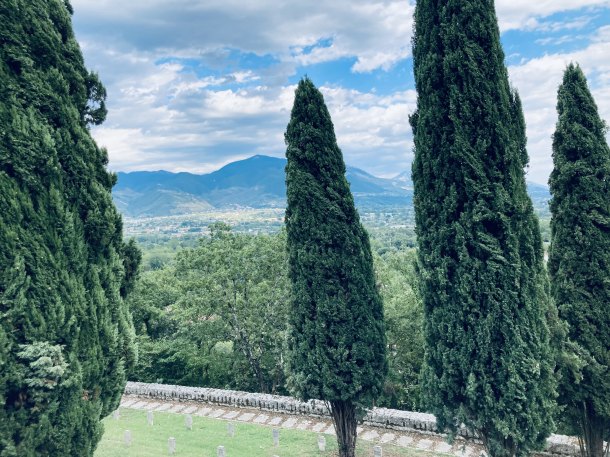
<point x="66" y="338"/>
<point x="337" y="341"/>
<point x="488" y="361"/>
<point x="579" y="257"/>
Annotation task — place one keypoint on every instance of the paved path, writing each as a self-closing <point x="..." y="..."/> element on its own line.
<point x="382" y="436"/>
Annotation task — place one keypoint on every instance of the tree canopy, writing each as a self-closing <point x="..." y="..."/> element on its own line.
<point x="66" y="338"/>
<point x="579" y="256"/>
<point x="337" y="339"/>
<point x="488" y="362"/>
<point x="216" y="316"/>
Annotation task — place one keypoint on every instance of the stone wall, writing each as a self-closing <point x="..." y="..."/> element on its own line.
<point x="377" y="417"/>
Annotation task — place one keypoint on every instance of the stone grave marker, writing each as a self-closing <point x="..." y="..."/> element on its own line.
<point x="150" y="418"/>
<point x="231" y="429"/>
<point x="188" y="422"/>
<point x="116" y="414"/>
<point x="127" y="438"/>
<point x="276" y="436"/>
<point x="322" y="443"/>
<point x="220" y="452"/>
<point x="171" y="445"/>
<point x="377" y="452"/>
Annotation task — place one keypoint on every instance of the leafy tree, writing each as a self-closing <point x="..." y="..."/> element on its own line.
<point x="337" y="338"/>
<point x="244" y="283"/>
<point x="176" y="345"/>
<point x="403" y="314"/>
<point x="66" y="337"/>
<point x="217" y="316"/>
<point x="579" y="257"/>
<point x="489" y="362"/>
<point x="156" y="326"/>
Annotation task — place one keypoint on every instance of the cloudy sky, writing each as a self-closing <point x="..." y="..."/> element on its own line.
<point x="195" y="84"/>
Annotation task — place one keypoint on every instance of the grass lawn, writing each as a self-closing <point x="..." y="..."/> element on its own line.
<point x="249" y="441"/>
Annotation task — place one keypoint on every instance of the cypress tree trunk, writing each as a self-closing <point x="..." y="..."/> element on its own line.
<point x="344" y="418"/>
<point x="488" y="363"/>
<point x="337" y="337"/>
<point x="593" y="428"/>
<point x="579" y="256"/>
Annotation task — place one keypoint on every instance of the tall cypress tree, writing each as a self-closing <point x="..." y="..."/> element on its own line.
<point x="337" y="341"/>
<point x="579" y="257"/>
<point x="488" y="361"/>
<point x="66" y="337"/>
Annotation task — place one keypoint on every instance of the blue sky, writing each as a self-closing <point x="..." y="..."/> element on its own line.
<point x="195" y="84"/>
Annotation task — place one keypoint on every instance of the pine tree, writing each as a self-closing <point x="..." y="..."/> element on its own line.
<point x="337" y="341"/>
<point x="579" y="257"/>
<point x="66" y="338"/>
<point x="488" y="361"/>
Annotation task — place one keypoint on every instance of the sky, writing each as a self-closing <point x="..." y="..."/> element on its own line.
<point x="196" y="84"/>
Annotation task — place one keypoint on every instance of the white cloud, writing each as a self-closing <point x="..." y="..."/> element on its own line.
<point x="163" y="113"/>
<point x="522" y="14"/>
<point x="372" y="130"/>
<point x="538" y="80"/>
<point x="556" y="26"/>
<point x="361" y="29"/>
<point x="253" y="121"/>
<point x="559" y="40"/>
<point x="383" y="60"/>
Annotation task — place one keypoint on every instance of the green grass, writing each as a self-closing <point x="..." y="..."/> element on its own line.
<point x="249" y="441"/>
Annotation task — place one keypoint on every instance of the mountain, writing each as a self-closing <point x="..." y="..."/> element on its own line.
<point x="540" y="196"/>
<point x="256" y="182"/>
<point x="404" y="179"/>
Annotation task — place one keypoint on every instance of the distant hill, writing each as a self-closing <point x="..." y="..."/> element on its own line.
<point x="256" y="182"/>
<point x="404" y="180"/>
<point x="540" y="196"/>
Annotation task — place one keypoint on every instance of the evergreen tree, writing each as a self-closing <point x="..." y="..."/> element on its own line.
<point x="579" y="257"/>
<point x="337" y="341"/>
<point x="66" y="338"/>
<point x="488" y="361"/>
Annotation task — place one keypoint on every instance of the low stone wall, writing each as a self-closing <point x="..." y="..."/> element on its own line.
<point x="377" y="417"/>
<point x="233" y="398"/>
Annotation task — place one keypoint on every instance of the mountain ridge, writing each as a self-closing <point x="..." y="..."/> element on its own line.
<point x="255" y="182"/>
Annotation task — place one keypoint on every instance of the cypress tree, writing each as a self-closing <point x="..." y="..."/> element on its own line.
<point x="488" y="360"/>
<point x="337" y="341"/>
<point x="66" y="338"/>
<point x="579" y="257"/>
